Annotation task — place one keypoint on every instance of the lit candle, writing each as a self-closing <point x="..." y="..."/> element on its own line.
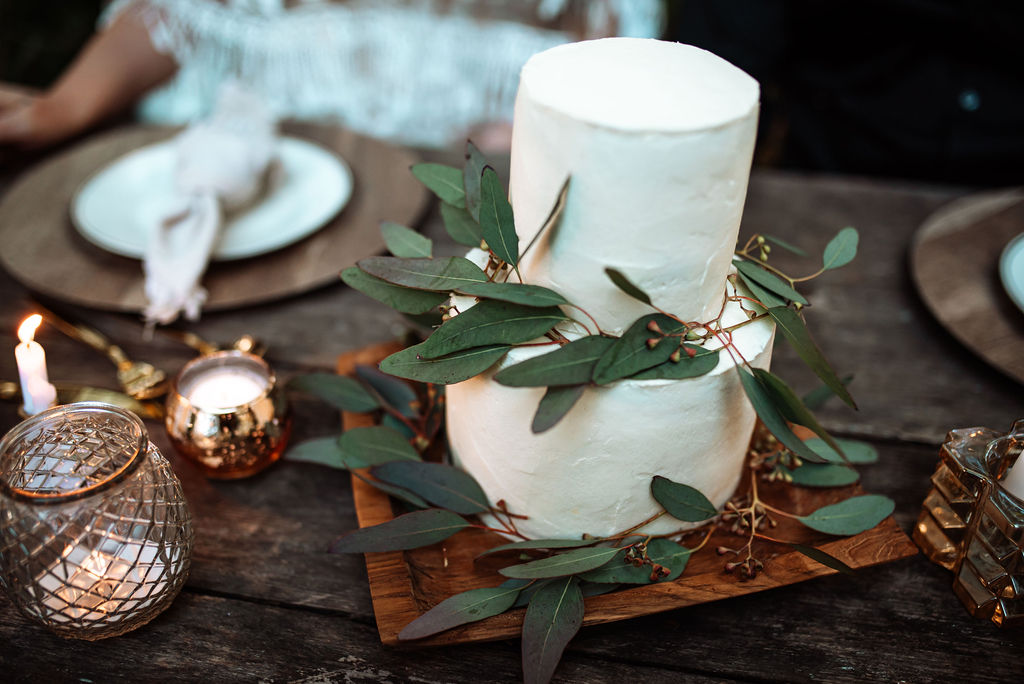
<point x="36" y="391"/>
<point x="1013" y="482"/>
<point x="225" y="387"/>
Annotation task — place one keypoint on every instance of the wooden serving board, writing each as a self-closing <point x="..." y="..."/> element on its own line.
<point x="404" y="585"/>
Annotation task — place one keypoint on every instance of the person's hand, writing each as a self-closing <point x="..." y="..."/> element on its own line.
<point x="29" y="119"/>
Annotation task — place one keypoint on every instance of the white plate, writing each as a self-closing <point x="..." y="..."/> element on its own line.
<point x="1011" y="270"/>
<point x="115" y="208"/>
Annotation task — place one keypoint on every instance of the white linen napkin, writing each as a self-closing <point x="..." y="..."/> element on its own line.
<point x="221" y="165"/>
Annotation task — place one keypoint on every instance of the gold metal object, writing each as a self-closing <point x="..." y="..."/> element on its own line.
<point x="231" y="442"/>
<point x="971" y="525"/>
<point x="72" y="394"/>
<point x="95" y="534"/>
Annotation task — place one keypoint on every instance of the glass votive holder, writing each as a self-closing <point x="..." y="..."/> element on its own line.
<point x="227" y="414"/>
<point x="95" y="534"/>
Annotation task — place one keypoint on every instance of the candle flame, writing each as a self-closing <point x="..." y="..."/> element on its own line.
<point x="27" y="329"/>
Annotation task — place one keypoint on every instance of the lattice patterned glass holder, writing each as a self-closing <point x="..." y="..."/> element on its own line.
<point x="971" y="525"/>
<point x="95" y="534"/>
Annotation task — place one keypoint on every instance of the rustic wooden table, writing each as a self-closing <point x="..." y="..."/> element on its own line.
<point x="266" y="602"/>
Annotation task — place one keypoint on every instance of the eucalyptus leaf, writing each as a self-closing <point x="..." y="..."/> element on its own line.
<point x="701" y="363"/>
<point x="854" y="451"/>
<point x="461" y="609"/>
<point x="823" y="558"/>
<point x="496" y="219"/>
<point x="841" y="250"/>
<point x="322" y="451"/>
<point x="661" y="551"/>
<point x="391" y="490"/>
<point x="490" y="322"/>
<point x="817" y="397"/>
<point x="795" y="332"/>
<point x="790" y="406"/>
<point x="626" y="285"/>
<point x="553" y="406"/>
<point x="852" y="516"/>
<point x="630" y="353"/>
<point x="766" y="298"/>
<point x="682" y="502"/>
<point x="767" y="280"/>
<point x="553" y="221"/>
<point x="437" y="275"/>
<point x="369" y="446"/>
<point x="396" y="393"/>
<point x="552" y="619"/>
<point x="471" y="172"/>
<point x="445" y="370"/>
<point x="589" y="589"/>
<point x="409" y="531"/>
<point x="540" y="544"/>
<point x="441" y="485"/>
<point x="764" y="405"/>
<point x="788" y="246"/>
<point x="571" y="364"/>
<point x="405" y="242"/>
<point x="527" y="592"/>
<point x="399" y="298"/>
<point x="337" y="390"/>
<point x="516" y="293"/>
<point x="443" y="181"/>
<point x="389" y="421"/>
<point x="461" y="226"/>
<point x="824" y="475"/>
<point x="567" y="563"/>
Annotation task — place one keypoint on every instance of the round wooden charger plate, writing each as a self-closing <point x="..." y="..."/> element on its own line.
<point x="954" y="260"/>
<point x="43" y="251"/>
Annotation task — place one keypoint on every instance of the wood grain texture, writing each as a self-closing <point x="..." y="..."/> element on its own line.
<point x="955" y="263"/>
<point x="404" y="585"/>
<point x="44" y="251"/>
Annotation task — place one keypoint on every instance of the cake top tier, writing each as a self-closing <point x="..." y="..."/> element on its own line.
<point x="633" y="84"/>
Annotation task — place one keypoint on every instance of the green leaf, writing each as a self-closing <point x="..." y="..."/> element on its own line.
<point x="567" y="563"/>
<point x="852" y="516"/>
<point x="627" y="286"/>
<point x="490" y="322"/>
<point x="553" y="406"/>
<point x="540" y="544"/>
<point x="552" y="222"/>
<point x="702" y="363"/>
<point x="397" y="492"/>
<point x="438" y="275"/>
<point x="337" y="390"/>
<point x="823" y="558"/>
<point x="399" y="298"/>
<point x="471" y="172"/>
<point x="461" y="227"/>
<point x="790" y="406"/>
<point x="760" y="294"/>
<point x="824" y="475"/>
<point x="817" y="397"/>
<point x="768" y="281"/>
<point x="396" y="393"/>
<point x="527" y="592"/>
<point x="682" y="502"/>
<point x="369" y="446"/>
<point x="446" y="370"/>
<point x="496" y="219"/>
<point x="323" y="451"/>
<point x="571" y="364"/>
<point x="405" y="242"/>
<point x="461" y="609"/>
<point x="764" y="405"/>
<point x="630" y="353"/>
<point x="789" y="247"/>
<point x="595" y="589"/>
<point x="795" y="332"/>
<point x="441" y="485"/>
<point x="443" y="181"/>
<point x="409" y="531"/>
<point x="516" y="293"/>
<point x="552" y="619"/>
<point x="841" y="249"/>
<point x="661" y="551"/>
<point x="855" y="452"/>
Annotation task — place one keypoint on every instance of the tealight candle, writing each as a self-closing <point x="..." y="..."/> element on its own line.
<point x="225" y="388"/>
<point x="36" y="391"/>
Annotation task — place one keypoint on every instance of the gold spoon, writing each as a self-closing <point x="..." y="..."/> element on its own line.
<point x="69" y="394"/>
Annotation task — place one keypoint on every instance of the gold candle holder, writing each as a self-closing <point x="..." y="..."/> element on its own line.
<point x="226" y="413"/>
<point x="970" y="524"/>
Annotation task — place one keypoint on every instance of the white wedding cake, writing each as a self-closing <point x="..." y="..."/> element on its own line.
<point x="657" y="139"/>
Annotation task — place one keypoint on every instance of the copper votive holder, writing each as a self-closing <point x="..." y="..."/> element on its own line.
<point x="227" y="414"/>
<point x="972" y="525"/>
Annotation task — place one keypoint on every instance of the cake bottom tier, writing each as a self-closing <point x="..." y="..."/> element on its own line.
<point x="592" y="472"/>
